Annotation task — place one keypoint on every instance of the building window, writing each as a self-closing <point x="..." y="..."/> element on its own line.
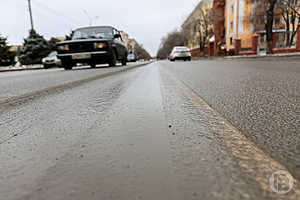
<point x="231" y="25"/>
<point x="232" y="9"/>
<point x="231" y="41"/>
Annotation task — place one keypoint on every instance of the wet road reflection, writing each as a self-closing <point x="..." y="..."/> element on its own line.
<point x="140" y="134"/>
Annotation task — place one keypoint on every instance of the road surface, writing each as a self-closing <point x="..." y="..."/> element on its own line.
<point x="149" y="132"/>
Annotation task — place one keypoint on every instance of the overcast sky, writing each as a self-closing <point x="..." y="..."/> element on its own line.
<point x="145" y="20"/>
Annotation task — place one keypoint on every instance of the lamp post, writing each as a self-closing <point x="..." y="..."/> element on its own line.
<point x="30" y="13"/>
<point x="90" y="18"/>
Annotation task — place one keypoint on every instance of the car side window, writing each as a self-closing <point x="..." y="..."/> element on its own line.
<point x="117" y="32"/>
<point x="114" y="31"/>
<point x="120" y="38"/>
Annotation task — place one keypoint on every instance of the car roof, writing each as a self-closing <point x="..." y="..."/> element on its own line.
<point x="95" y="27"/>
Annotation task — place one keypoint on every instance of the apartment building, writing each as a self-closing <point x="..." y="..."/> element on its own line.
<point x="190" y="26"/>
<point x="245" y="18"/>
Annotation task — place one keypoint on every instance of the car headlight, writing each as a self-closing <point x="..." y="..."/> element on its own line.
<point x="99" y="45"/>
<point x="63" y="47"/>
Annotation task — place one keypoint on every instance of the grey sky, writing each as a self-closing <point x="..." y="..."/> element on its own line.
<point x="146" y="21"/>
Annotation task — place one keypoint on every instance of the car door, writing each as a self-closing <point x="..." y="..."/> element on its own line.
<point x="121" y="49"/>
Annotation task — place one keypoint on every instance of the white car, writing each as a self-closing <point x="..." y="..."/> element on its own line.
<point x="51" y="60"/>
<point x="131" y="58"/>
<point x="180" y="53"/>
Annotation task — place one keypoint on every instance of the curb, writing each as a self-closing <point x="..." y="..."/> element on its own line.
<point x="252" y="57"/>
<point x="271" y="56"/>
<point x="17" y="70"/>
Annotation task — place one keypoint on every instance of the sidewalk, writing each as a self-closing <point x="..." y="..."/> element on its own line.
<point x="20" y="68"/>
<point x="284" y="56"/>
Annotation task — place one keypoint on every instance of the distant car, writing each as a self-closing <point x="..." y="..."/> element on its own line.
<point x="51" y="60"/>
<point x="131" y="58"/>
<point x="93" y="45"/>
<point x="180" y="53"/>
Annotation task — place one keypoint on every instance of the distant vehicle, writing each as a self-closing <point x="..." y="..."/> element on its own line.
<point x="93" y="45"/>
<point x="180" y="53"/>
<point x="51" y="60"/>
<point x="131" y="58"/>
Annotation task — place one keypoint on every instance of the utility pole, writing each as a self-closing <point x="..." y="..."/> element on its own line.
<point x="90" y="19"/>
<point x="30" y="13"/>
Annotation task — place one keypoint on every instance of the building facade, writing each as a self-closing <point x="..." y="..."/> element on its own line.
<point x="246" y="18"/>
<point x="238" y="22"/>
<point x="191" y="25"/>
<point x="132" y="45"/>
<point x="125" y="38"/>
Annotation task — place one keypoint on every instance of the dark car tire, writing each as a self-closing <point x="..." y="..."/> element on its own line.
<point x="124" y="61"/>
<point x="113" y="59"/>
<point x="46" y="66"/>
<point x="93" y="65"/>
<point x="68" y="67"/>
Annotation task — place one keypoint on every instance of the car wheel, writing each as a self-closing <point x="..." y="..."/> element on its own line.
<point x="124" y="61"/>
<point x="93" y="65"/>
<point x="46" y="66"/>
<point x="68" y="67"/>
<point x="113" y="59"/>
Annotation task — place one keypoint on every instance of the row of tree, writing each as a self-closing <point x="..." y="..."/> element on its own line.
<point x="174" y="38"/>
<point x="202" y="30"/>
<point x="289" y="11"/>
<point x="141" y="53"/>
<point x="7" y="57"/>
<point x="35" y="47"/>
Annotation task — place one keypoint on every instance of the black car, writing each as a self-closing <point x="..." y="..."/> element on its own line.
<point x="93" y="45"/>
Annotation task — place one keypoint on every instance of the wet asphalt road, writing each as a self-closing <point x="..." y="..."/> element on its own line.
<point x="261" y="98"/>
<point x="140" y="134"/>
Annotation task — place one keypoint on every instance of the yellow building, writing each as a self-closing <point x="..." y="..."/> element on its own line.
<point x="192" y="24"/>
<point x="244" y="18"/>
<point x="238" y="15"/>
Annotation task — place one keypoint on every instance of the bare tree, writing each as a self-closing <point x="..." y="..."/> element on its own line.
<point x="174" y="38"/>
<point x="205" y="27"/>
<point x="141" y="53"/>
<point x="263" y="18"/>
<point x="270" y="7"/>
<point x="291" y="17"/>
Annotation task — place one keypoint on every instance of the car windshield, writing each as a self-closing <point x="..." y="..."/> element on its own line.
<point x="181" y="48"/>
<point x="54" y="53"/>
<point x="93" y="32"/>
